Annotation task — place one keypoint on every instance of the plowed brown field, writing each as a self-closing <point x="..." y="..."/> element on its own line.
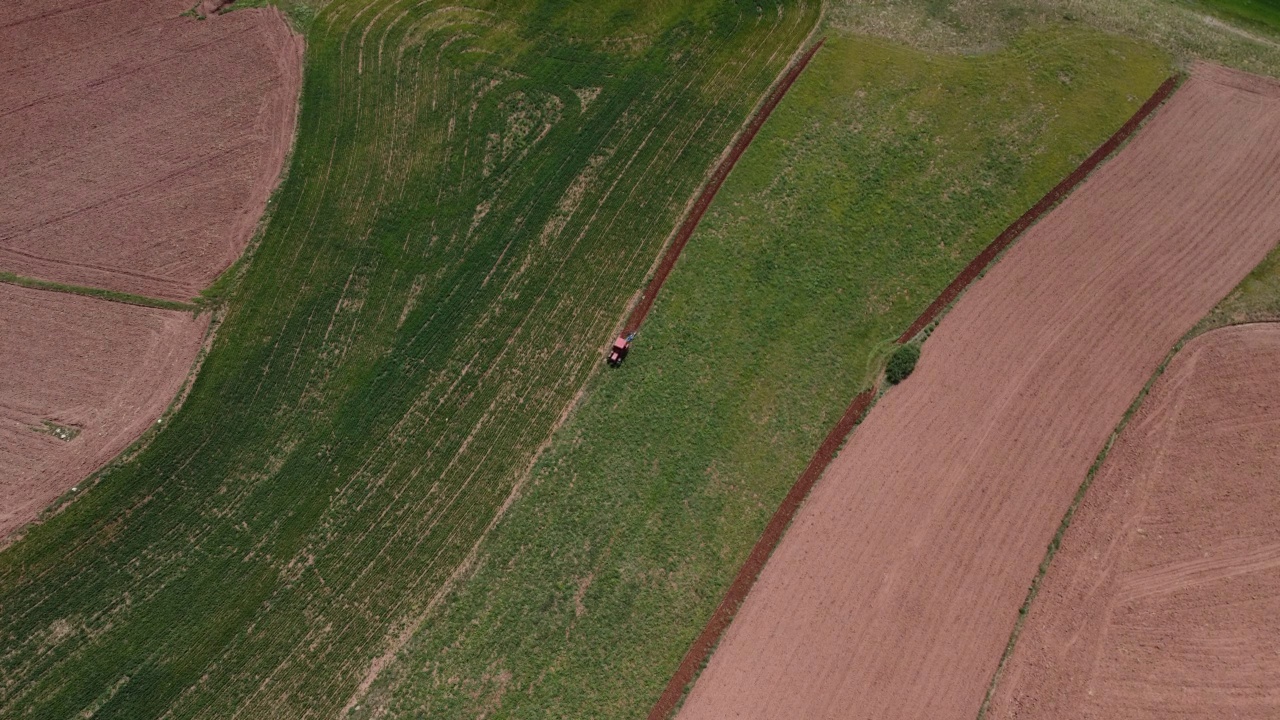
<point x="1164" y="599"/>
<point x="57" y="363"/>
<point x="139" y="147"/>
<point x="896" y="588"/>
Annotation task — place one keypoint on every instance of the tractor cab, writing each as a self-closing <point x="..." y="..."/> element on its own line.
<point x="618" y="352"/>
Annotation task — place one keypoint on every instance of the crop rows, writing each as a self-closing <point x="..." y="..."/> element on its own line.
<point x="476" y="193"/>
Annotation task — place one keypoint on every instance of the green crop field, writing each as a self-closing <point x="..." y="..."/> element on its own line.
<point x="882" y="173"/>
<point x="475" y="194"/>
<point x="1259" y="14"/>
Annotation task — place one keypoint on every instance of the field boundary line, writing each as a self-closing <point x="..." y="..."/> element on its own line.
<point x="96" y="293"/>
<point x="712" y="186"/>
<point x="700" y="652"/>
<point x="1055" y="544"/>
<point x="1039" y="210"/>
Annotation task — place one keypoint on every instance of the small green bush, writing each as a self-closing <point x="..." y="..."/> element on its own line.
<point x="902" y="362"/>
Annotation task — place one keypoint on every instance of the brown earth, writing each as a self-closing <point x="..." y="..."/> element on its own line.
<point x="59" y="364"/>
<point x="1164" y="599"/>
<point x="896" y="588"/>
<point x="139" y="147"/>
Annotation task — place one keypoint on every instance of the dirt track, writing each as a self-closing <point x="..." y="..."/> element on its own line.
<point x="712" y="186"/>
<point x="57" y="364"/>
<point x="139" y="147"/>
<point x="894" y="592"/>
<point x="1164" y="600"/>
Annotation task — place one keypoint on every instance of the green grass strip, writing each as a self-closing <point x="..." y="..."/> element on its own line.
<point x="1252" y="14"/>
<point x="99" y="293"/>
<point x="1056" y="542"/>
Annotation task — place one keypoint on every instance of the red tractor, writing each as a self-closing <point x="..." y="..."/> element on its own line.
<point x="618" y="352"/>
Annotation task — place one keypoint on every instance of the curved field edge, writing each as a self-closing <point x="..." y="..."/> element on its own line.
<point x="474" y="192"/>
<point x="212" y="300"/>
<point x="822" y="245"/>
<point x="1255" y="300"/>
<point x="161" y="204"/>
<point x="700" y="652"/>
<point x="1186" y="488"/>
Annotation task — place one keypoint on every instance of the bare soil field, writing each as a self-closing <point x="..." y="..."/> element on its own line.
<point x="101" y="371"/>
<point x="1163" y="599"/>
<point x="897" y="586"/>
<point x="140" y="147"/>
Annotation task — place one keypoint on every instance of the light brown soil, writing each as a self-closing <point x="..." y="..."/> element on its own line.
<point x="139" y="147"/>
<point x="895" y="590"/>
<point x="105" y="368"/>
<point x="1164" y="600"/>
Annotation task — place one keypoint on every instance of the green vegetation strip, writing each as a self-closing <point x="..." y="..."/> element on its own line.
<point x="1252" y="14"/>
<point x="475" y="195"/>
<point x="882" y="173"/>
<point x="99" y="293"/>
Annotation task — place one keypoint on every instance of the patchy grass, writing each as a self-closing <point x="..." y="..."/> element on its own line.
<point x="1183" y="28"/>
<point x="301" y="13"/>
<point x="458" y="235"/>
<point x="1255" y="299"/>
<point x="220" y="290"/>
<point x="65" y="433"/>
<point x="876" y="180"/>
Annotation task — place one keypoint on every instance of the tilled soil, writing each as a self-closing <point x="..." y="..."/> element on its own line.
<point x="895" y="590"/>
<point x="139" y="147"/>
<point x="57" y="364"/>
<point x="1164" y="600"/>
